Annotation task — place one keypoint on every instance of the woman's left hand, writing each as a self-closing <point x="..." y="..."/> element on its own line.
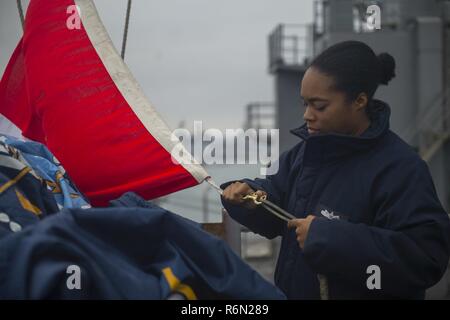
<point x="301" y="228"/>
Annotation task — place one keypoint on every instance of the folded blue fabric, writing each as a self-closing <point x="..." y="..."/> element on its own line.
<point x="124" y="253"/>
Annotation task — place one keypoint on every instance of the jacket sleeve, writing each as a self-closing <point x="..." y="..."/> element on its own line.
<point x="259" y="220"/>
<point x="408" y="241"/>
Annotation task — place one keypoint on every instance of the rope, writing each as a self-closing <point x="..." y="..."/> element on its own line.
<point x="19" y="7"/>
<point x="323" y="287"/>
<point x="125" y="31"/>
<point x="275" y="213"/>
<point x="214" y="185"/>
<point x="271" y="206"/>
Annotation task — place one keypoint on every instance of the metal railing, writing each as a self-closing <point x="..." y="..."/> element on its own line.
<point x="290" y="45"/>
<point x="260" y="115"/>
<point x="359" y="15"/>
<point x="431" y="129"/>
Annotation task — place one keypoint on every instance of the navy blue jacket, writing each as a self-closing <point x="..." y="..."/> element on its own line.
<point x="375" y="204"/>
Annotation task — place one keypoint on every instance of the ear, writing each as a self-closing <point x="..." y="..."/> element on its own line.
<point x="360" y="102"/>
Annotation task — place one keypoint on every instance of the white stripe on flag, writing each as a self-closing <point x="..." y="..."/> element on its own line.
<point x="130" y="88"/>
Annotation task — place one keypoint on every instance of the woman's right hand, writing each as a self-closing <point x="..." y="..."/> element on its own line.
<point x="236" y="192"/>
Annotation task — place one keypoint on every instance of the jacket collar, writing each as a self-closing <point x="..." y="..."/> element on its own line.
<point x="331" y="146"/>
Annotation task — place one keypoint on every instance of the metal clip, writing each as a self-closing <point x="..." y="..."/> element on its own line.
<point x="269" y="206"/>
<point x="255" y="198"/>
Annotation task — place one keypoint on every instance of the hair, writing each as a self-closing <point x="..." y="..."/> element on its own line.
<point x="355" y="68"/>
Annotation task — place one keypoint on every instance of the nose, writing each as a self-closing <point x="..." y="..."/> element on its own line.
<point x="308" y="116"/>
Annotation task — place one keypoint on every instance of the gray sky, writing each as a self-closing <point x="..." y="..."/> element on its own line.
<point x="195" y="59"/>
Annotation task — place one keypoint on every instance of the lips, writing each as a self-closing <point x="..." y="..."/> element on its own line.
<point x="313" y="130"/>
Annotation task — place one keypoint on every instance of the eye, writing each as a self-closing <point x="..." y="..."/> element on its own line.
<point x="304" y="103"/>
<point x="321" y="107"/>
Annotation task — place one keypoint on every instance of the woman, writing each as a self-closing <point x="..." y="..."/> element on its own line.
<point x="363" y="198"/>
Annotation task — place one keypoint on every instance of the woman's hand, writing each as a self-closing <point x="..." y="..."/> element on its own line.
<point x="236" y="192"/>
<point x="301" y="228"/>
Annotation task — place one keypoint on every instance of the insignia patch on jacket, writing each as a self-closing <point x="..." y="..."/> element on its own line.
<point x="326" y="212"/>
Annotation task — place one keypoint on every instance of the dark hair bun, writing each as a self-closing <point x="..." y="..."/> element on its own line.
<point x="387" y="63"/>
